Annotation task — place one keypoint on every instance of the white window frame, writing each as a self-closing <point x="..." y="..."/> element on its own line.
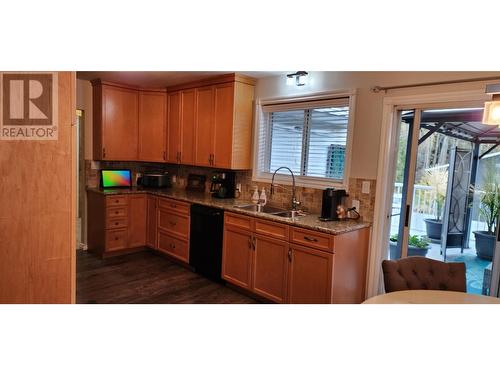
<point x="260" y="175"/>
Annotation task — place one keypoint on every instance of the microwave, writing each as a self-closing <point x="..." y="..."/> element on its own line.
<point x="155" y="180"/>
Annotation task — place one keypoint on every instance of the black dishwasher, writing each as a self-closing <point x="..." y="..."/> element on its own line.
<point x="205" y="249"/>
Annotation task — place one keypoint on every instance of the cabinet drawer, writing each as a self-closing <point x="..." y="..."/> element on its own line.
<point x="173" y="246"/>
<point x="116" y="239"/>
<point x="114" y="212"/>
<point x="272" y="229"/>
<point x="173" y="223"/>
<point x="115" y="223"/>
<point x="238" y="221"/>
<point x="174" y="205"/>
<point x="116" y="200"/>
<point x="311" y="238"/>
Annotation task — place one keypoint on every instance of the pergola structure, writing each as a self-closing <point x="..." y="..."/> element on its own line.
<point x="464" y="124"/>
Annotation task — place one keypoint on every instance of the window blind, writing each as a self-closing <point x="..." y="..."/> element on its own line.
<point x="310" y="141"/>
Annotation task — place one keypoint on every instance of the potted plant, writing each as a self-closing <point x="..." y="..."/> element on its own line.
<point x="417" y="246"/>
<point x="489" y="209"/>
<point x="438" y="180"/>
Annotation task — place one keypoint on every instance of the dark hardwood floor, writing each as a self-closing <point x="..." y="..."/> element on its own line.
<point x="146" y="277"/>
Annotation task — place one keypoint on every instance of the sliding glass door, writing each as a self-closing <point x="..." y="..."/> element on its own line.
<point x="438" y="185"/>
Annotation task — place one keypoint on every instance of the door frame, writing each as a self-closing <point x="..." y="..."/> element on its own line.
<point x="388" y="141"/>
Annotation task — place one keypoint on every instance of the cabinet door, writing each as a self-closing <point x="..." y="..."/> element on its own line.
<point x="223" y="137"/>
<point x="188" y="107"/>
<point x="309" y="275"/>
<point x="151" y="222"/>
<point x="120" y="123"/>
<point x="152" y="119"/>
<point x="137" y="220"/>
<point x="174" y="127"/>
<point x="204" y="126"/>
<point x="270" y="265"/>
<point x="237" y="257"/>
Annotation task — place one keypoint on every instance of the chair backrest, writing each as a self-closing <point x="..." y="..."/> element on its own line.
<point x="422" y="273"/>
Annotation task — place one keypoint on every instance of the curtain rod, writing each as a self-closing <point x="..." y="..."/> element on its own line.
<point x="385" y="88"/>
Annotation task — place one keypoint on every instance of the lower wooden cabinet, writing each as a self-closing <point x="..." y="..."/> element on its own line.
<point x="270" y="268"/>
<point x="137" y="220"/>
<point x="237" y="256"/>
<point x="173" y="246"/>
<point x="288" y="264"/>
<point x="309" y="275"/>
<point x="116" y="222"/>
<point x="151" y="205"/>
<point x="172" y="228"/>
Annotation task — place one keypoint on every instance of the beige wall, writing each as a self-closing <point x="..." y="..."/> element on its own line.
<point x="368" y="115"/>
<point x="84" y="102"/>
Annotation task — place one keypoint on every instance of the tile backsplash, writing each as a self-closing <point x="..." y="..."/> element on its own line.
<point x="310" y="198"/>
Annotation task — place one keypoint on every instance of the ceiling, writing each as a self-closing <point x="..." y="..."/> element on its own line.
<point x="162" y="79"/>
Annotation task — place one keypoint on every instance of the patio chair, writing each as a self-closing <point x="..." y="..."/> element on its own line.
<point x="413" y="273"/>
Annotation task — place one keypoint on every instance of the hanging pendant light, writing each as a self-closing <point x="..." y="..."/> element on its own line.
<point x="491" y="113"/>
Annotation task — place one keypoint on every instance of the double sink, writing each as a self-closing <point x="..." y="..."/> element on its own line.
<point x="271" y="210"/>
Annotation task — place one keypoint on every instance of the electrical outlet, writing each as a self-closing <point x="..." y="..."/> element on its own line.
<point x="365" y="187"/>
<point x="238" y="187"/>
<point x="355" y="204"/>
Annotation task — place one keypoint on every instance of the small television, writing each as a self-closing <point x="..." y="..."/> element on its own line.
<point x="116" y="178"/>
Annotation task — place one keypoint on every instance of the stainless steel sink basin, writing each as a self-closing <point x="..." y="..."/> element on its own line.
<point x="258" y="208"/>
<point x="275" y="211"/>
<point x="289" y="214"/>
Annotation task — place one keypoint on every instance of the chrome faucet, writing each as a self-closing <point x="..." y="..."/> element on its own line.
<point x="295" y="202"/>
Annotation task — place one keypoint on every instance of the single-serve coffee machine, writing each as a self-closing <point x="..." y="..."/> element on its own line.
<point x="332" y="199"/>
<point x="223" y="184"/>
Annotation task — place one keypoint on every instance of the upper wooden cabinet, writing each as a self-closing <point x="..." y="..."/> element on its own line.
<point x="152" y="124"/>
<point x="223" y="121"/>
<point x="181" y="127"/>
<point x="115" y="122"/>
<point x="205" y="123"/>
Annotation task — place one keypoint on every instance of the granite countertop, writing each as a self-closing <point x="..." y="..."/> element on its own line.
<point x="310" y="221"/>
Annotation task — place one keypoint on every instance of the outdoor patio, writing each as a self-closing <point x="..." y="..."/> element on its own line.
<point x="475" y="266"/>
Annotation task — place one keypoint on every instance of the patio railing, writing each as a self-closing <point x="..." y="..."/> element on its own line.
<point x="423" y="198"/>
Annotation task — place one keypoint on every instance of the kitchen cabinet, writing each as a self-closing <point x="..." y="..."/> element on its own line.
<point x="152" y="126"/>
<point x="289" y="264"/>
<point x="137" y="220"/>
<point x="173" y="221"/>
<point x="237" y="256"/>
<point x="188" y="124"/>
<point x="151" y="214"/>
<point x="205" y="126"/>
<point x="174" y="127"/>
<point x="181" y="127"/>
<point x="116" y="222"/>
<point x="255" y="255"/>
<point x="309" y="275"/>
<point x="270" y="267"/>
<point x="115" y="122"/>
<point x="223" y="121"/>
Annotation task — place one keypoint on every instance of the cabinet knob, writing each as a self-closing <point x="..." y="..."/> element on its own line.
<point x="116" y="238"/>
<point x="173" y="223"/>
<point x="117" y="212"/>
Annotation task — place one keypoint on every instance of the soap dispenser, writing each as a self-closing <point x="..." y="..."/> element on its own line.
<point x="255" y="195"/>
<point x="263" y="197"/>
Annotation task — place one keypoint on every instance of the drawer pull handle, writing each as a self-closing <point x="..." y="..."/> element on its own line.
<point x="310" y="239"/>
<point x="117" y="223"/>
<point x="289" y="255"/>
<point x="249" y="242"/>
<point x="172" y="246"/>
<point x="173" y="223"/>
<point x="117" y="201"/>
<point x="117" y="212"/>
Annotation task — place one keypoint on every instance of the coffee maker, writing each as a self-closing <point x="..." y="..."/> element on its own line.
<point x="223" y="184"/>
<point x="332" y="198"/>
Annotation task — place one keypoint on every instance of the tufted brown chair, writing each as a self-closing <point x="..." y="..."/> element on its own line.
<point x="422" y="273"/>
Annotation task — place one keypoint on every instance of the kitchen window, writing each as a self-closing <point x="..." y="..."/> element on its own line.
<point x="311" y="137"/>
